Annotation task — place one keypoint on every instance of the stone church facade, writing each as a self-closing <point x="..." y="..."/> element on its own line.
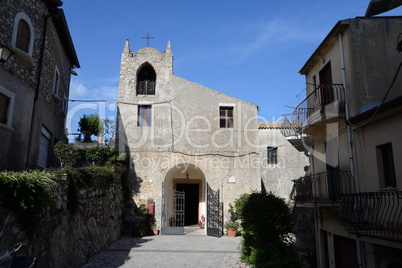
<point x="183" y="136"/>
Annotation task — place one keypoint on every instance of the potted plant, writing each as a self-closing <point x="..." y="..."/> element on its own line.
<point x="232" y="227"/>
<point x="201" y="222"/>
<point x="89" y="125"/>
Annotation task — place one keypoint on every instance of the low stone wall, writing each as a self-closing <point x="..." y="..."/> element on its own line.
<point x="64" y="238"/>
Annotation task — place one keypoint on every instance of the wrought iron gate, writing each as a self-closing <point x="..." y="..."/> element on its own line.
<point x="172" y="211"/>
<point x="214" y="213"/>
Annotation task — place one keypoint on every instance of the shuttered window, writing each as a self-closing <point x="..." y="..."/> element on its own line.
<point x="44" y="148"/>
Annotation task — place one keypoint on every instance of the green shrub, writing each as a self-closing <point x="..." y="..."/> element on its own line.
<point x="68" y="153"/>
<point x="27" y="194"/>
<point x="267" y="222"/>
<point x="275" y="255"/>
<point x="142" y="210"/>
<point x="239" y="206"/>
<point x="98" y="155"/>
<point x="85" y="177"/>
<point x="267" y="217"/>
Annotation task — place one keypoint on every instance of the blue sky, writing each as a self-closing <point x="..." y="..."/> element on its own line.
<point x="251" y="49"/>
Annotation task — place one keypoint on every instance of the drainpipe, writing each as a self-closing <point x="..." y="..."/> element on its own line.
<point x="355" y="181"/>
<point x="316" y="229"/>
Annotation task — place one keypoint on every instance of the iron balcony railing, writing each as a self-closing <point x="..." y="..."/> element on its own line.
<point x="290" y="126"/>
<point x="322" y="187"/>
<point x="146" y="87"/>
<point x="376" y="214"/>
<point x="326" y="99"/>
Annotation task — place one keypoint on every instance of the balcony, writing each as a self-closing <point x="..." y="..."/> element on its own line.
<point x="377" y="214"/>
<point x="326" y="187"/>
<point x="326" y="102"/>
<point x="292" y="130"/>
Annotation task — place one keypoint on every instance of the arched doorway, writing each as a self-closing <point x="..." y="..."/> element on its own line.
<point x="183" y="198"/>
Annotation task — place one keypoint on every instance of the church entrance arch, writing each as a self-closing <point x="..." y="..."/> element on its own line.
<point x="183" y="198"/>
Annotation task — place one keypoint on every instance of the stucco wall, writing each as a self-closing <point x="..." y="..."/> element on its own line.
<point x="292" y="164"/>
<point x="185" y="131"/>
<point x="367" y="140"/>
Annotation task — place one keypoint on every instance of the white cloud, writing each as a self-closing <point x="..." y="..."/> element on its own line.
<point x="102" y="89"/>
<point x="275" y="34"/>
<point x="77" y="90"/>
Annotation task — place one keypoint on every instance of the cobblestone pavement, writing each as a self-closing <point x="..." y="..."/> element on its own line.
<point x="191" y="250"/>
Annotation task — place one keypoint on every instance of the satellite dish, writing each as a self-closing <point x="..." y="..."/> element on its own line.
<point x="380" y="6"/>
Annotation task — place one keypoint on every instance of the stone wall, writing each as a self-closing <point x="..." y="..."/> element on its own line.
<point x="64" y="238"/>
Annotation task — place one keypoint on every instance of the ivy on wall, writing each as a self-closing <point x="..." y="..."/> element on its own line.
<point x="27" y="194"/>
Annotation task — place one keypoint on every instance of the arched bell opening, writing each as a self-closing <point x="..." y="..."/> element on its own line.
<point x="146" y="80"/>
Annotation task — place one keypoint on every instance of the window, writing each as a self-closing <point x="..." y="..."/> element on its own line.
<point x="44" y="147"/>
<point x="272" y="155"/>
<point x="56" y="81"/>
<point x="146" y="80"/>
<point x="326" y="90"/>
<point x="23" y="34"/>
<point x="386" y="168"/>
<point x="226" y="117"/>
<point x="64" y="107"/>
<point x="144" y="115"/>
<point x="6" y="106"/>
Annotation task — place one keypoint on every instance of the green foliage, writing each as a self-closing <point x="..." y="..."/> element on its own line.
<point x="85" y="177"/>
<point x="90" y="123"/>
<point x="233" y="217"/>
<point x="142" y="210"/>
<point x="110" y="130"/>
<point x="275" y="255"/>
<point x="98" y="155"/>
<point x="27" y="194"/>
<point x="266" y="221"/>
<point x="239" y="206"/>
<point x="68" y="153"/>
<point x="232" y="225"/>
<point x="267" y="217"/>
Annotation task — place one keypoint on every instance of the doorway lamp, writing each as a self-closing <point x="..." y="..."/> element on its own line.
<point x="5" y="53"/>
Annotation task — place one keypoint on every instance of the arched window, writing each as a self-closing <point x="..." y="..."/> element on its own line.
<point x="146" y="80"/>
<point x="23" y="34"/>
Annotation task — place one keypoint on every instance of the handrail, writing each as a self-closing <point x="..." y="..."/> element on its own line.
<point x="322" y="187"/>
<point x="376" y="214"/>
<point x="318" y="100"/>
<point x="287" y="128"/>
